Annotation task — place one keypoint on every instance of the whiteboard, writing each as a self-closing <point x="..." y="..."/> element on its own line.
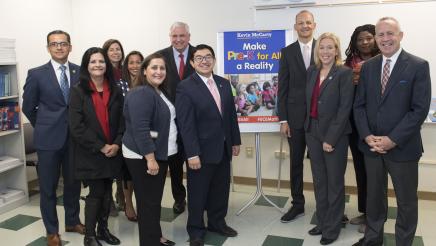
<point x="416" y="19"/>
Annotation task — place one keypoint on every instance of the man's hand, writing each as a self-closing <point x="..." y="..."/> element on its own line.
<point x="327" y="147"/>
<point x="285" y="130"/>
<point x="235" y="150"/>
<point x="384" y="144"/>
<point x="194" y="163"/>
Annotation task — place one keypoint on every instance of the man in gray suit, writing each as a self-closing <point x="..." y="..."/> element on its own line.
<point x="295" y="60"/>
<point x="45" y="104"/>
<point x="392" y="101"/>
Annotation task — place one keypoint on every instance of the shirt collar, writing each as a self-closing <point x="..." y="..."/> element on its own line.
<point x="185" y="52"/>
<point x="308" y="43"/>
<point x="394" y="57"/>
<point x="205" y="79"/>
<point x="56" y="65"/>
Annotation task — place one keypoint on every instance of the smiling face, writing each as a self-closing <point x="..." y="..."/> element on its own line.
<point x="59" y="47"/>
<point x="155" y="72"/>
<point x="304" y="25"/>
<point x="96" y="66"/>
<point x="327" y="52"/>
<point x="133" y="65"/>
<point x="180" y="37"/>
<point x="114" y="53"/>
<point x="365" y="43"/>
<point x="203" y="62"/>
<point x="388" y="37"/>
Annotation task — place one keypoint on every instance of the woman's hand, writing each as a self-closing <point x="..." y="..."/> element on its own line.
<point x="152" y="167"/>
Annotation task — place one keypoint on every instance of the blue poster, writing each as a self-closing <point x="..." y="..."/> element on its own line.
<point x="253" y="52"/>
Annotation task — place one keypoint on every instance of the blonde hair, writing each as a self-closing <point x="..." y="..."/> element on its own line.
<point x="335" y="39"/>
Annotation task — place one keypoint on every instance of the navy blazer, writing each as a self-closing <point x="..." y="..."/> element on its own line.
<point x="145" y="111"/>
<point x="334" y="102"/>
<point x="172" y="73"/>
<point x="400" y="111"/>
<point x="45" y="107"/>
<point x="292" y="85"/>
<point x="205" y="132"/>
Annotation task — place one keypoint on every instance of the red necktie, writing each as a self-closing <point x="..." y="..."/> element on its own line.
<point x="181" y="66"/>
<point x="385" y="76"/>
<point x="215" y="94"/>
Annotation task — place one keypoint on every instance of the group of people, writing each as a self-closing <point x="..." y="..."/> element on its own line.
<point x="132" y="119"/>
<point x="250" y="97"/>
<point x="375" y="104"/>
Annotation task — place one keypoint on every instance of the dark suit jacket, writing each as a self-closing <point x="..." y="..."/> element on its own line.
<point x="204" y="131"/>
<point x="145" y="111"/>
<point x="45" y="107"/>
<point x="400" y="111"/>
<point x="87" y="135"/>
<point x="172" y="73"/>
<point x="334" y="102"/>
<point x="292" y="85"/>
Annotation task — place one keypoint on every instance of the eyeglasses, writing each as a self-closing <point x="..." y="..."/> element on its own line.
<point x="200" y="59"/>
<point x="61" y="44"/>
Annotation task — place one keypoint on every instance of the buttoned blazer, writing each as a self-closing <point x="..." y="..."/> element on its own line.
<point x="334" y="102"/>
<point x="400" y="111"/>
<point x="292" y="85"/>
<point x="205" y="132"/>
<point x="45" y="107"/>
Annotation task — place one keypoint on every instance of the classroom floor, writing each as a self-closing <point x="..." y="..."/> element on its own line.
<point x="257" y="225"/>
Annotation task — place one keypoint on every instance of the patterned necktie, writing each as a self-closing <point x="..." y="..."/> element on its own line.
<point x="385" y="76"/>
<point x="306" y="55"/>
<point x="64" y="83"/>
<point x="181" y="65"/>
<point x="215" y="94"/>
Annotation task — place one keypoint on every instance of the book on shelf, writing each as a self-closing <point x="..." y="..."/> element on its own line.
<point x="5" y="84"/>
<point x="9" y="116"/>
<point x="8" y="194"/>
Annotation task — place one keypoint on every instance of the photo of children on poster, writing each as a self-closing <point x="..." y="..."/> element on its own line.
<point x="251" y="64"/>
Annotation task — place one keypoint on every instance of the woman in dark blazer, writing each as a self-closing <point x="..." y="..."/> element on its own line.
<point x="329" y="94"/>
<point x="149" y="144"/>
<point x="96" y="126"/>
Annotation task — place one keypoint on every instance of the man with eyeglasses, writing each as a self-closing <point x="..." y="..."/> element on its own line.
<point x="178" y="69"/>
<point x="208" y="125"/>
<point x="45" y="104"/>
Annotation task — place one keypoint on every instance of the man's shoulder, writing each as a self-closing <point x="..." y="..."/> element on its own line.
<point x="165" y="51"/>
<point x="74" y="65"/>
<point x="291" y="46"/>
<point x="41" y="68"/>
<point x="413" y="58"/>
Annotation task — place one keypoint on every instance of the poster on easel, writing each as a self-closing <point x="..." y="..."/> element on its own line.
<point x="250" y="61"/>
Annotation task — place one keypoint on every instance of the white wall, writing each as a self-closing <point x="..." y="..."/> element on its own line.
<point x="143" y="25"/>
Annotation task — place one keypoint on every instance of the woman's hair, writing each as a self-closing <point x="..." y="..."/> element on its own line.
<point x="108" y="44"/>
<point x="85" y="77"/>
<point x="141" y="78"/>
<point x="352" y="49"/>
<point x="335" y="39"/>
<point x="125" y="74"/>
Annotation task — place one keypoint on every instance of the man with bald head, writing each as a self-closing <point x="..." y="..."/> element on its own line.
<point x="178" y="68"/>
<point x="392" y="101"/>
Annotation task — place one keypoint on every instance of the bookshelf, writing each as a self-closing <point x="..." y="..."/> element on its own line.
<point x="13" y="181"/>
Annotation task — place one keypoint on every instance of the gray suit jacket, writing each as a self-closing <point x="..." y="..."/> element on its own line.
<point x="334" y="102"/>
<point x="400" y="111"/>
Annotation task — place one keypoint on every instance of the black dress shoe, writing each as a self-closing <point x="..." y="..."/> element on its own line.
<point x="179" y="207"/>
<point x="196" y="242"/>
<point x="167" y="243"/>
<point x="326" y="241"/>
<point x="292" y="214"/>
<point x="226" y="231"/>
<point x="315" y="231"/>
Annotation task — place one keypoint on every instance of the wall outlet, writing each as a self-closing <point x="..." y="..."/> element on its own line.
<point x="280" y="155"/>
<point x="249" y="152"/>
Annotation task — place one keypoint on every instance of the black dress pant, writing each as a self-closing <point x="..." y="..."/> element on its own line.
<point x="148" y="191"/>
<point x="176" y="174"/>
<point x="297" y="146"/>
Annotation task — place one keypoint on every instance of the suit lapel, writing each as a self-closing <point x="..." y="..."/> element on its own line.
<point x="299" y="56"/>
<point x="205" y="91"/>
<point x="54" y="81"/>
<point x="395" y="74"/>
<point x="74" y="75"/>
<point x="328" y="79"/>
<point x="312" y="82"/>
<point x="90" y="104"/>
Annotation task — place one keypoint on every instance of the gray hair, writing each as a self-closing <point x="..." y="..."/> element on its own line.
<point x="179" y="24"/>
<point x="388" y="18"/>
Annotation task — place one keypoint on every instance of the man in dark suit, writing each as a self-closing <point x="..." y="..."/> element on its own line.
<point x="178" y="68"/>
<point x="208" y="125"/>
<point x="295" y="60"/>
<point x="392" y="101"/>
<point x="45" y="104"/>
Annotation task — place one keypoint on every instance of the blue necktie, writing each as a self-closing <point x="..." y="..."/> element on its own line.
<point x="64" y="83"/>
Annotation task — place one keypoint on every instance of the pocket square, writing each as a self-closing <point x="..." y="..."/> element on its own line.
<point x="403" y="81"/>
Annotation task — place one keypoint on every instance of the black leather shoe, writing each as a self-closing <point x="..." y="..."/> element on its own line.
<point x="105" y="235"/>
<point x="292" y="214"/>
<point x="326" y="241"/>
<point x="179" y="207"/>
<point x="226" y="231"/>
<point x="167" y="243"/>
<point x="196" y="242"/>
<point x="315" y="231"/>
